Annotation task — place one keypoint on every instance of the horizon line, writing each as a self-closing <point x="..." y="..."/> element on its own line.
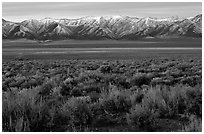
<point x="176" y="16"/>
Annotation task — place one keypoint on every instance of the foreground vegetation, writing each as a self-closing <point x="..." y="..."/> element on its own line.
<point x="162" y="94"/>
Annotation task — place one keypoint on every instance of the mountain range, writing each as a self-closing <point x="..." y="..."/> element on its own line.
<point x="103" y="27"/>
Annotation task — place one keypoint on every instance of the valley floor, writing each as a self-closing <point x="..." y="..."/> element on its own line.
<point x="100" y="49"/>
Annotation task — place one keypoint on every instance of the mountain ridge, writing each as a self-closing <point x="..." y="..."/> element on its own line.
<point x="103" y="27"/>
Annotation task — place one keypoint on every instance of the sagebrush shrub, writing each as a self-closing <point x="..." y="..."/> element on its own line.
<point x="140" y="79"/>
<point x="81" y="95"/>
<point x="166" y="101"/>
<point x="65" y="89"/>
<point x="194" y="125"/>
<point x="140" y="116"/>
<point x="22" y="112"/>
<point x="136" y="97"/>
<point x="76" y="112"/>
<point x="194" y="101"/>
<point x="76" y="92"/>
<point x="115" y="100"/>
<point x="46" y="88"/>
<point x="105" y="69"/>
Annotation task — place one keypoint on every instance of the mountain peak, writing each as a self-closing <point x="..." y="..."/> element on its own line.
<point x="103" y="27"/>
<point x="48" y="19"/>
<point x="114" y="16"/>
<point x="3" y="20"/>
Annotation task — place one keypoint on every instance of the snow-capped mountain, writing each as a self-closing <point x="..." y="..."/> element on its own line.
<point x="103" y="27"/>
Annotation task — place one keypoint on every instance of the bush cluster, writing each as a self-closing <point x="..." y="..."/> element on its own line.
<point x="83" y="95"/>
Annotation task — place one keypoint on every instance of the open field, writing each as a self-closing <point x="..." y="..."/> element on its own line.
<point x="23" y="43"/>
<point x="129" y="89"/>
<point x="99" y="49"/>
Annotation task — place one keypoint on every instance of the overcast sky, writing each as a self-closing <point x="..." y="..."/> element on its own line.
<point x="21" y="11"/>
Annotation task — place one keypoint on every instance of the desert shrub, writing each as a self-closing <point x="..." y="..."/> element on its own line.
<point x="176" y="73"/>
<point x="107" y="115"/>
<point x="33" y="82"/>
<point x="75" y="112"/>
<point x="39" y="78"/>
<point x="8" y="80"/>
<point x="136" y="97"/>
<point x="105" y="69"/>
<point x="18" y="81"/>
<point x="4" y="86"/>
<point x="140" y="79"/>
<point x="156" y="81"/>
<point x="183" y="66"/>
<point x="124" y="84"/>
<point x="69" y="81"/>
<point x="194" y="125"/>
<point x="191" y="81"/>
<point x="10" y="74"/>
<point x="167" y="101"/>
<point x="25" y="84"/>
<point x="87" y="75"/>
<point x="30" y="82"/>
<point x="153" y="100"/>
<point x="134" y="88"/>
<point x="170" y="64"/>
<point x="13" y="84"/>
<point x="108" y="78"/>
<point x="92" y="88"/>
<point x="121" y="81"/>
<point x="21" y="112"/>
<point x="171" y="101"/>
<point x="92" y="66"/>
<point x="184" y="100"/>
<point x="140" y="116"/>
<point x="71" y="95"/>
<point x="46" y="88"/>
<point x="56" y="92"/>
<point x="94" y="96"/>
<point x="66" y="86"/>
<point x="194" y="101"/>
<point x="115" y="100"/>
<point x="177" y="99"/>
<point x="65" y="90"/>
<point x="76" y="92"/>
<point x="100" y="115"/>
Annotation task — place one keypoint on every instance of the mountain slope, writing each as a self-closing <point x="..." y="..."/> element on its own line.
<point x="104" y="27"/>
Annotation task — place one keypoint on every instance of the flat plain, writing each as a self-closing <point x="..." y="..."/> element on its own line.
<point x="99" y="49"/>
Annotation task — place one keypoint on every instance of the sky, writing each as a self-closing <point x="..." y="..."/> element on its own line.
<point x="21" y="10"/>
